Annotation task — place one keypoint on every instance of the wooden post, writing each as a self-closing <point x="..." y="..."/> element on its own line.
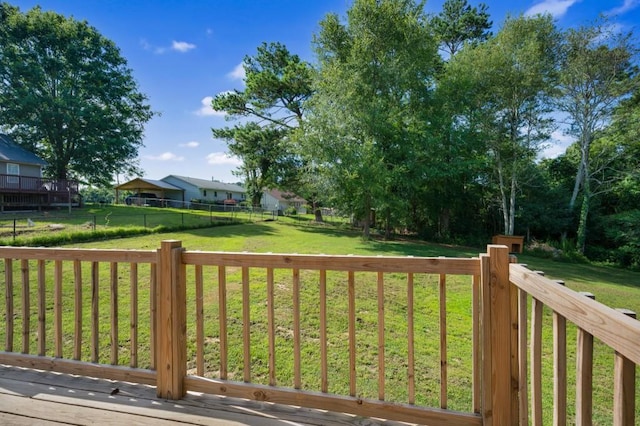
<point x="171" y="350"/>
<point x="584" y="371"/>
<point x="624" y="394"/>
<point x="497" y="385"/>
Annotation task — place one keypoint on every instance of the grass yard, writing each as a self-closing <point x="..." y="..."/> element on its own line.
<point x="614" y="287"/>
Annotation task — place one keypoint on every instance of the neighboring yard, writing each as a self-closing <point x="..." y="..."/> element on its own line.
<point x="614" y="287"/>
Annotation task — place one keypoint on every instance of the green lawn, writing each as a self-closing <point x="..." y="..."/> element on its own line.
<point x="615" y="287"/>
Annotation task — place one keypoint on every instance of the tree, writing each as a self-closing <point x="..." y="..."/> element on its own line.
<point x="459" y="23"/>
<point x="277" y="86"/>
<point x="67" y="94"/>
<point x="596" y="73"/>
<point x="511" y="79"/>
<point x="376" y="74"/>
<point x="265" y="157"/>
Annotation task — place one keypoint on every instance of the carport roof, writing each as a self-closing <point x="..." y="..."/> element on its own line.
<point x="139" y="184"/>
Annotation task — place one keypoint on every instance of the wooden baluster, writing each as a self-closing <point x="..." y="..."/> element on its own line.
<point x="133" y="313"/>
<point x="26" y="306"/>
<point x="352" y="333"/>
<point x="624" y="393"/>
<point x="271" y="328"/>
<point x="199" y="320"/>
<point x="8" y="288"/>
<point x="114" y="312"/>
<point x="42" y="309"/>
<point x="297" y="379"/>
<point x="584" y="379"/>
<point x="246" y="325"/>
<point x="443" y="340"/>
<point x="559" y="368"/>
<point x="324" y="379"/>
<point x="77" y="341"/>
<point x="381" y="366"/>
<point x="410" y="341"/>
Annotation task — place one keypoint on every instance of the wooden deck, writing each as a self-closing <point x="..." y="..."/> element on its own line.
<point x="29" y="397"/>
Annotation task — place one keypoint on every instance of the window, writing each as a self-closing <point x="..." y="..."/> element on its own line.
<point x="13" y="169"/>
<point x="204" y="192"/>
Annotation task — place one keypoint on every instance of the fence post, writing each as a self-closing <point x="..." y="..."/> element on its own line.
<point x="171" y="350"/>
<point x="497" y="385"/>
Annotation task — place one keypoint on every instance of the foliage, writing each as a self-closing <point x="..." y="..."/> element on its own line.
<point x="93" y="194"/>
<point x="512" y="99"/>
<point x="67" y="94"/>
<point x="277" y="86"/>
<point x="596" y="73"/>
<point x="376" y="72"/>
<point x="459" y="23"/>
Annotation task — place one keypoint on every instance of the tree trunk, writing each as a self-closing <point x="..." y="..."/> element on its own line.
<point x="366" y="222"/>
<point x="503" y="198"/>
<point x="581" y="237"/>
<point x="387" y="224"/>
<point x="576" y="186"/>
<point x="512" y="200"/>
<point x="317" y="211"/>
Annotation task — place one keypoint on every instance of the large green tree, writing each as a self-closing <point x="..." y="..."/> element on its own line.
<point x="596" y="74"/>
<point x="458" y="23"/>
<point x="510" y="78"/>
<point x="67" y="93"/>
<point x="277" y="87"/>
<point x="376" y="76"/>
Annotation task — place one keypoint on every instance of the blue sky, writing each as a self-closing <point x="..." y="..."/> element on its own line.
<point x="184" y="52"/>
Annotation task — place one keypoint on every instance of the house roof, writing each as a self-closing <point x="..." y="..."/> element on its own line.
<point x="209" y="184"/>
<point x="147" y="184"/>
<point x="285" y="196"/>
<point x="11" y="151"/>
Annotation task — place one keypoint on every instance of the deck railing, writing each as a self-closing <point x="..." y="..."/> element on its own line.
<point x="330" y="332"/>
<point x="16" y="183"/>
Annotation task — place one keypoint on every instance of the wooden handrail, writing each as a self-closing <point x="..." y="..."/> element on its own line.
<point x="606" y="324"/>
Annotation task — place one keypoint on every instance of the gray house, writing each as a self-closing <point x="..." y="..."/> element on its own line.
<point x="207" y="190"/>
<point x="21" y="182"/>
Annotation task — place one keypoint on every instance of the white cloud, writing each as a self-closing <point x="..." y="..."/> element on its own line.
<point x="627" y="5"/>
<point x="220" y="158"/>
<point x="165" y="156"/>
<point x="178" y="46"/>
<point x="191" y="144"/>
<point x="237" y="73"/>
<point x="182" y="46"/>
<point x="556" y="8"/>
<point x="207" y="110"/>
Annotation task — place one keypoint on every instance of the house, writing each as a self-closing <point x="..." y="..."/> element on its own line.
<point x="149" y="188"/>
<point x="207" y="190"/>
<point x="281" y="201"/>
<point x="22" y="184"/>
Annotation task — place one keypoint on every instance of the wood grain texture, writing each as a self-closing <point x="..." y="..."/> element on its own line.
<point x="341" y="404"/>
<point x="606" y="324"/>
<point x="429" y="265"/>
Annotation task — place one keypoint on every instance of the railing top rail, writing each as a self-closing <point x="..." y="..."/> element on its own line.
<point x="615" y="329"/>
<point x="429" y="265"/>
<point x="88" y="255"/>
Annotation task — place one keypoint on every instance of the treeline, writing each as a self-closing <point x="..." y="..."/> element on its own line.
<point x="437" y="125"/>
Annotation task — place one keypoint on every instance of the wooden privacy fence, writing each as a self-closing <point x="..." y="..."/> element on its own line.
<point x="369" y="335"/>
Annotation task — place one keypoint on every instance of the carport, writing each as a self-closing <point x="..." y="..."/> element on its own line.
<point x="159" y="187"/>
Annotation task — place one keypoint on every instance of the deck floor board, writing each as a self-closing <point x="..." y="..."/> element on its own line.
<point x="30" y="397"/>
